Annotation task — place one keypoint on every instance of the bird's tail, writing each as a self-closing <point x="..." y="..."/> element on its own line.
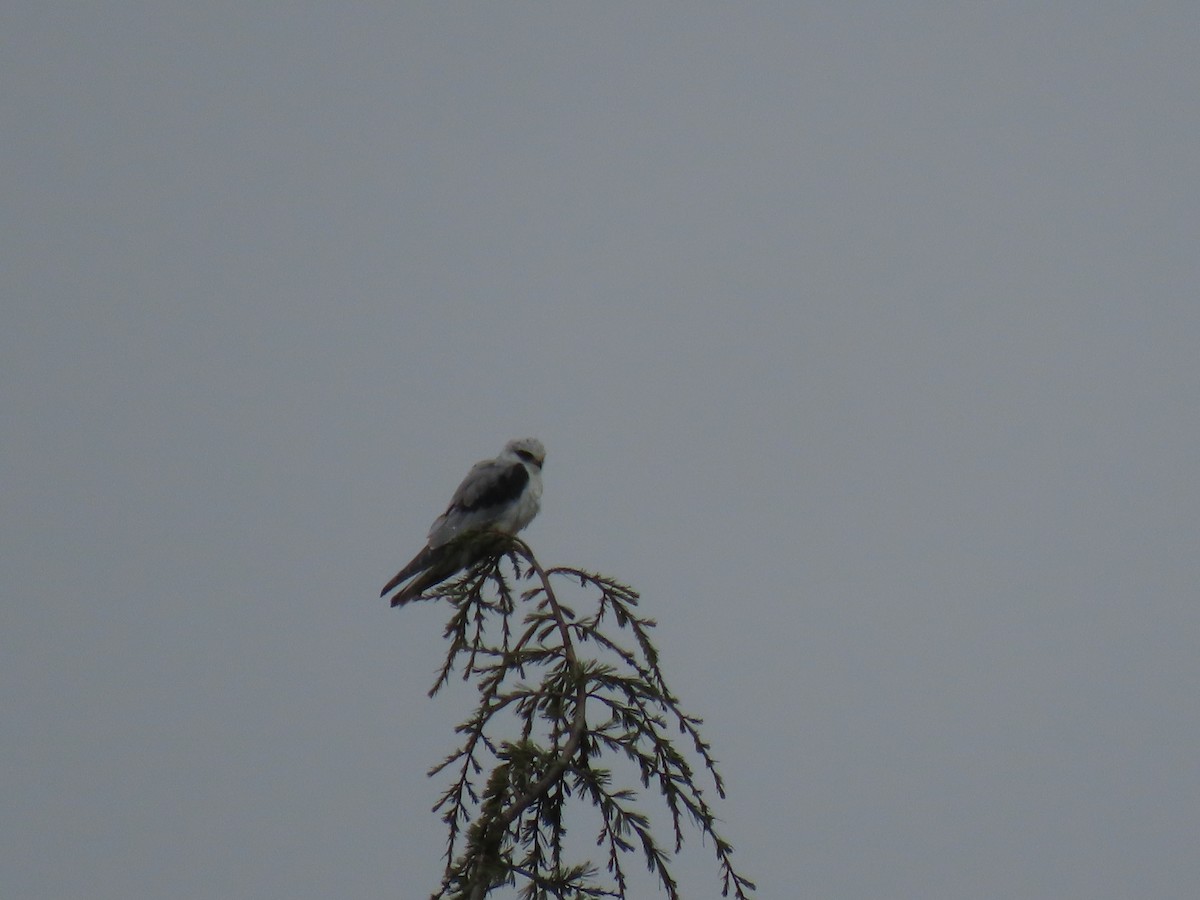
<point x="434" y="565"/>
<point x="420" y="584"/>
<point x="421" y="561"/>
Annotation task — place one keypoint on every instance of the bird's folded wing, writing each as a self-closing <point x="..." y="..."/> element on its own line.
<point x="486" y="492"/>
<point x="491" y="483"/>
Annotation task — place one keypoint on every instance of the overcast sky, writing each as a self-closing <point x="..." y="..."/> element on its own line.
<point x="864" y="340"/>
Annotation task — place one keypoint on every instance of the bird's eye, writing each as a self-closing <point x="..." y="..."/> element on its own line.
<point x="528" y="457"/>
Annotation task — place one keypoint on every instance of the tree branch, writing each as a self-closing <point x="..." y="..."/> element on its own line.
<point x="516" y="813"/>
<point x="498" y="826"/>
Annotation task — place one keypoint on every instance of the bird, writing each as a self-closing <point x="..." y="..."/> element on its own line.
<point x="498" y="495"/>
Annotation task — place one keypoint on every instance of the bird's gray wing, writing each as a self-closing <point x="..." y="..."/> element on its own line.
<point x="489" y="488"/>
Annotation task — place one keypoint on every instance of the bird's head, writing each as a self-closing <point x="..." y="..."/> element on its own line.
<point x="528" y="450"/>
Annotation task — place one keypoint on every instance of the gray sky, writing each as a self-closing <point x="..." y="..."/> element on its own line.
<point x="863" y="339"/>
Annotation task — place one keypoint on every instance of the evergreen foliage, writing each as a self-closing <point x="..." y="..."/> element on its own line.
<point x="560" y="694"/>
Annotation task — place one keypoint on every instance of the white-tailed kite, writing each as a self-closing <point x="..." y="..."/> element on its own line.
<point x="498" y="495"/>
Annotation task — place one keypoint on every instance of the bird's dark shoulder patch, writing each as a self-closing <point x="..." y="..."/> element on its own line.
<point x="506" y="487"/>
